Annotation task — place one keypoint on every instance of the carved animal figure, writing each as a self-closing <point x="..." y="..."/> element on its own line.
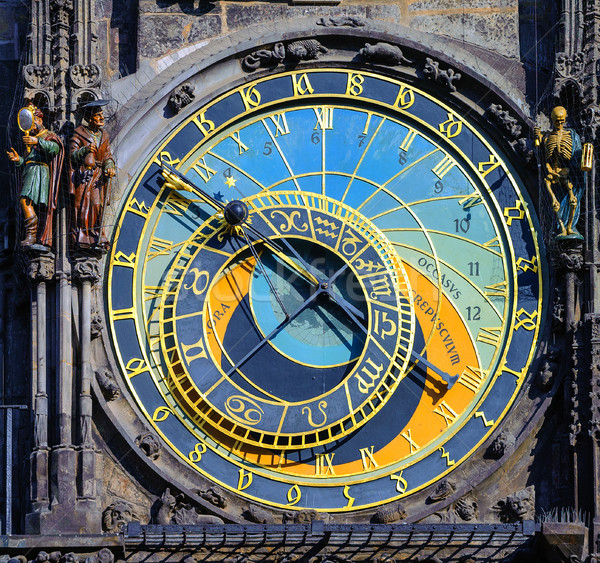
<point x="383" y="53"/>
<point x="304" y="50"/>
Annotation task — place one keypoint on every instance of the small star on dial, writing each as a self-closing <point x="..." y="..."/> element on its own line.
<point x="230" y="181"/>
<point x="218" y="196"/>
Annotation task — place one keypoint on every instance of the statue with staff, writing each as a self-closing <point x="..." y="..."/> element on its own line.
<point x="91" y="170"/>
<point x="40" y="179"/>
<point x="565" y="162"/>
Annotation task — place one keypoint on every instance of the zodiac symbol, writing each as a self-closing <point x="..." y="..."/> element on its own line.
<point x="238" y="404"/>
<point x="291" y="218"/>
<point x="322" y="406"/>
<point x="327" y="223"/>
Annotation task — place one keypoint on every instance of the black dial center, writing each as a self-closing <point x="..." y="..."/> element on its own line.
<point x="236" y="212"/>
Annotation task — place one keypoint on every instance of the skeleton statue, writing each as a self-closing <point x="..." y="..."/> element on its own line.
<point x="564" y="161"/>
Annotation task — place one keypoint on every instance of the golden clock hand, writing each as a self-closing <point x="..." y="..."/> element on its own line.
<point x="450" y="380"/>
<point x="297" y="268"/>
<point x="264" y="273"/>
<point x="322" y="289"/>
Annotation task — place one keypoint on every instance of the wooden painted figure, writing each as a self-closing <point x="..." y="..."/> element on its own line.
<point x="92" y="169"/>
<point x="564" y="165"/>
<point x="40" y="177"/>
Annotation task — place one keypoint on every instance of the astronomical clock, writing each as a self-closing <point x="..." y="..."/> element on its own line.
<point x="325" y="290"/>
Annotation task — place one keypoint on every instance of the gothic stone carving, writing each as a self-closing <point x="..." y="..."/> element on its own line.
<point x="464" y="509"/>
<point x="257" y="515"/>
<point x="88" y="270"/>
<point x="389" y="514"/>
<point x="292" y="53"/>
<point x="505" y="120"/>
<point x="173" y="510"/>
<point x="383" y="53"/>
<point x="444" y="489"/>
<point x="517" y="507"/>
<point x="38" y="76"/>
<point x="305" y="50"/>
<point x="97" y="324"/>
<point x="117" y="515"/>
<point x="103" y="556"/>
<point x="341" y="21"/>
<point x="213" y="496"/>
<point x="107" y="384"/>
<point x="180" y="97"/>
<point x="85" y="76"/>
<point x="149" y="444"/>
<point x="447" y="77"/>
<point x="41" y="268"/>
<point x="503" y="442"/>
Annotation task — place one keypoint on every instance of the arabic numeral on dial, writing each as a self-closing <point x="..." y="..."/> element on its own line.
<point x="227" y="173"/>
<point x="439" y="187"/>
<point x="473" y="269"/>
<point x="315" y="138"/>
<point x="473" y="313"/>
<point x="268" y="148"/>
<point x="462" y="225"/>
<point x="402" y="157"/>
<point x="361" y="140"/>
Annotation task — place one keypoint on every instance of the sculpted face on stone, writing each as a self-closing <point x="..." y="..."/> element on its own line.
<point x="466" y="508"/>
<point x="116" y="515"/>
<point x="520" y="504"/>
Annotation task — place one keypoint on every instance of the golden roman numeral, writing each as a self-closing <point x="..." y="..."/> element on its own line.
<point x="241" y="146"/>
<point x="324" y="116"/>
<point x="324" y="464"/>
<point x="204" y="171"/>
<point x="489" y="336"/>
<point x="408" y="140"/>
<point x="446" y="413"/>
<point x="408" y="437"/>
<point x="443" y="167"/>
<point x="471" y="378"/>
<point x="368" y="460"/>
<point x="159" y="247"/>
<point x="470" y="200"/>
<point x="281" y="125"/>
<point x="497" y="289"/>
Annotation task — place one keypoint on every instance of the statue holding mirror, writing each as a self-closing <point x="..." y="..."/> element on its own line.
<point x="40" y="175"/>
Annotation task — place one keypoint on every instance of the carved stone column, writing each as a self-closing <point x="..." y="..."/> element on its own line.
<point x="61" y="14"/>
<point x="41" y="271"/>
<point x="87" y="272"/>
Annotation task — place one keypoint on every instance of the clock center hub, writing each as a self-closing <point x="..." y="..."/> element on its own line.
<point x="235" y="212"/>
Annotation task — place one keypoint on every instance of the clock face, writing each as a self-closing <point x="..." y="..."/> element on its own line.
<point x="325" y="290"/>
